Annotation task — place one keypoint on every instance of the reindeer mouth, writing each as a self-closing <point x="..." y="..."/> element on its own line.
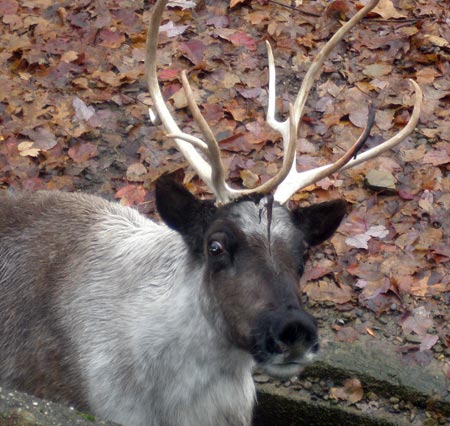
<point x="288" y="364"/>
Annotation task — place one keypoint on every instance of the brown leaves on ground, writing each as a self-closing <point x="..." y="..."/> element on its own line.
<point x="351" y="391"/>
<point x="73" y="115"/>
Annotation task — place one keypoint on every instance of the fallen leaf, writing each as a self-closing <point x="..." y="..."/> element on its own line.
<point x="235" y="2"/>
<point x="418" y="321"/>
<point x="193" y="50"/>
<point x="238" y="38"/>
<point x="428" y="341"/>
<point x="182" y="4"/>
<point x="229" y="80"/>
<point x="82" y="152"/>
<point x="437" y="157"/>
<point x="373" y="288"/>
<point x="361" y="240"/>
<point x="326" y="290"/>
<point x="386" y="10"/>
<point x="358" y="241"/>
<point x="9" y="7"/>
<point x="111" y="39"/>
<point x="172" y="30"/>
<point x="136" y="172"/>
<point x="436" y="40"/>
<point x="358" y="117"/>
<point x="43" y="139"/>
<point x="380" y="180"/>
<point x="249" y="179"/>
<point x="82" y="111"/>
<point x="351" y="391"/>
<point x="69" y="56"/>
<point x="26" y="149"/>
<point x="131" y="195"/>
<point x="377" y="70"/>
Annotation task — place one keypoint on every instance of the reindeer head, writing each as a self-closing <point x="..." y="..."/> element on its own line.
<point x="253" y="251"/>
<point x="253" y="247"/>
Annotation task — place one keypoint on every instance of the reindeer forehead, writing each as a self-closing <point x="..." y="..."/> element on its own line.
<point x="253" y="219"/>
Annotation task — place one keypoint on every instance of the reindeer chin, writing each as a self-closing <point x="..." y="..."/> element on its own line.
<point x="283" y="371"/>
<point x="284" y="367"/>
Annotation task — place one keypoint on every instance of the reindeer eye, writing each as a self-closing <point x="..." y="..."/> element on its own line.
<point x="215" y="248"/>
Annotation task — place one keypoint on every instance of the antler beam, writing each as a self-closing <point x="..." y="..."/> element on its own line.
<point x="288" y="180"/>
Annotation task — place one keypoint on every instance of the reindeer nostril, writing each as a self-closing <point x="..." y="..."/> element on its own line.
<point x="296" y="331"/>
<point x="290" y="333"/>
<point x="315" y="348"/>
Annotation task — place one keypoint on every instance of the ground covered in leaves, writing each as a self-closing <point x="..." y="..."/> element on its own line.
<point x="73" y="116"/>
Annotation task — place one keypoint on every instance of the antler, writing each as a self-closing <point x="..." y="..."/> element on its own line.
<point x="287" y="180"/>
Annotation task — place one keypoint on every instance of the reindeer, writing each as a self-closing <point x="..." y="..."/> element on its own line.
<point x="161" y="324"/>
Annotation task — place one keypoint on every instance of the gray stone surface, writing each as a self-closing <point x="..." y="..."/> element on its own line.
<point x="20" y="409"/>
<point x="386" y="380"/>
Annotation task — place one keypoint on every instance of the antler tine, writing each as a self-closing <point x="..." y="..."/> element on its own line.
<point x="316" y="67"/>
<point x="296" y="181"/>
<point x="289" y="170"/>
<point x="183" y="141"/>
<point x="218" y="173"/>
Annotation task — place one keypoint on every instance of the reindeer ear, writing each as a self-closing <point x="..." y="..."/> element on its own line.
<point x="181" y="211"/>
<point x="319" y="221"/>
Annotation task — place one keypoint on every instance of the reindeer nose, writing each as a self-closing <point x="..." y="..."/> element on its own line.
<point x="297" y="328"/>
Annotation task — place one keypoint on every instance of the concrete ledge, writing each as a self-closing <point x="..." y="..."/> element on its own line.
<point x="21" y="409"/>
<point x="381" y="370"/>
<point x="278" y="408"/>
<point x="377" y="364"/>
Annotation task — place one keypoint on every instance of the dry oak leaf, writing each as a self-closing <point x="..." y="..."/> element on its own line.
<point x="235" y="3"/>
<point x="325" y="290"/>
<point x="193" y="50"/>
<point x="377" y="70"/>
<point x="82" y="111"/>
<point x="131" y="195"/>
<point x="172" y="30"/>
<point x="8" y="7"/>
<point x="69" y="56"/>
<point x="361" y="240"/>
<point x="230" y="80"/>
<point x="427" y="75"/>
<point x="82" y="152"/>
<point x="236" y="37"/>
<point x="387" y="10"/>
<point x="351" y="391"/>
<point x="183" y="4"/>
<point x="436" y="40"/>
<point x="42" y="138"/>
<point x="136" y="172"/>
<point x="111" y="39"/>
<point x="437" y="157"/>
<point x="249" y="179"/>
<point x="26" y="149"/>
